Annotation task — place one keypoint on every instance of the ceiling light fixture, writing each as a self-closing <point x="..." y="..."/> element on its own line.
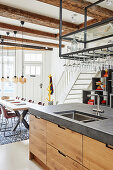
<point x="2" y="79"/>
<point x="15" y="78"/>
<point x="22" y="79"/>
<point x="7" y="33"/>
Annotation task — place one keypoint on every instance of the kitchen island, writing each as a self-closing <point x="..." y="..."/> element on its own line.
<point x="62" y="142"/>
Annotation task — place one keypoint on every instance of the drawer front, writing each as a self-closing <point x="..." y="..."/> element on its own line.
<point x="37" y="138"/>
<point x="67" y="141"/>
<point x="56" y="160"/>
<point x="96" y="155"/>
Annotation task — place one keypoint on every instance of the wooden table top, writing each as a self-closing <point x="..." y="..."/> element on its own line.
<point x="14" y="104"/>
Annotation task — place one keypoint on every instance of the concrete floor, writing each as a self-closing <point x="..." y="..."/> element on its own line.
<point x="15" y="156"/>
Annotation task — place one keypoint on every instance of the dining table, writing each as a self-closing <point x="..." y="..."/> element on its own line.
<point x="19" y="107"/>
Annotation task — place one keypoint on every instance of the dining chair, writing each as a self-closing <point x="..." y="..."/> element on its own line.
<point x="40" y="103"/>
<point x="23" y="99"/>
<point x="2" y="120"/>
<point x="31" y="101"/>
<point x="8" y="116"/>
<point x="17" y="97"/>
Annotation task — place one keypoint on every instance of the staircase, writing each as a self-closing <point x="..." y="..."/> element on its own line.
<point x="71" y="84"/>
<point x="83" y="82"/>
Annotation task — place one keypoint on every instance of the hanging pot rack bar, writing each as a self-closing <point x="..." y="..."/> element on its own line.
<point x="86" y="56"/>
<point x="100" y="38"/>
<point x="101" y="48"/>
<point x="90" y="49"/>
<point x="89" y="41"/>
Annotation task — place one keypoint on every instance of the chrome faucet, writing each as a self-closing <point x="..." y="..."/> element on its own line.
<point x="98" y="110"/>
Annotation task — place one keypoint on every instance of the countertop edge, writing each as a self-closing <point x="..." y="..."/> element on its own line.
<point x="71" y="125"/>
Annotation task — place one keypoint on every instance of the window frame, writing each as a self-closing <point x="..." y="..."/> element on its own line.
<point x="33" y="63"/>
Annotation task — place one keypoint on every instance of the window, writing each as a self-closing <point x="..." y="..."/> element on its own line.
<point x="7" y="88"/>
<point x="8" y="65"/>
<point x="33" y="58"/>
<point x="32" y="70"/>
<point x="33" y="63"/>
<point x="38" y="70"/>
<point x="27" y="70"/>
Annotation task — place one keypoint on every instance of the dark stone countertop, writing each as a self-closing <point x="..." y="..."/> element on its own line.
<point x="101" y="130"/>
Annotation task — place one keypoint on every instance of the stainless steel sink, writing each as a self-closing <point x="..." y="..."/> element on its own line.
<point x="81" y="116"/>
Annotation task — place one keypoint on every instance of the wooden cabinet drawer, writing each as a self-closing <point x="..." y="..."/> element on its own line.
<point x="67" y="141"/>
<point x="96" y="155"/>
<point x="58" y="161"/>
<point x="37" y="139"/>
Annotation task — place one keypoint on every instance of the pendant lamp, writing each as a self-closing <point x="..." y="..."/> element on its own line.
<point x="2" y="79"/>
<point x="22" y="79"/>
<point x="15" y="78"/>
<point x="7" y="33"/>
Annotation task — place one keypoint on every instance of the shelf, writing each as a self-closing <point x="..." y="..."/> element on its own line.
<point x="98" y="90"/>
<point x="94" y="28"/>
<point x="88" y="34"/>
<point x="102" y="93"/>
<point x="85" y="53"/>
<point x="104" y="77"/>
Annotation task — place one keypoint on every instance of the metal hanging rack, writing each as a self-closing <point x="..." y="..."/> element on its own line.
<point x="87" y="53"/>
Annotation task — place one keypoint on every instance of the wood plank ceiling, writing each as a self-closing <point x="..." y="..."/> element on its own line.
<point x="97" y="13"/>
<point x="33" y="18"/>
<point x="78" y="6"/>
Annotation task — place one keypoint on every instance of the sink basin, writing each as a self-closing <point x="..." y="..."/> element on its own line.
<point x="81" y="116"/>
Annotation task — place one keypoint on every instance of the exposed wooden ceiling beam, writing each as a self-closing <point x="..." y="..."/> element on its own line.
<point x="25" y="46"/>
<point x="28" y="41"/>
<point x="20" y="48"/>
<point x="78" y="6"/>
<point x="90" y="22"/>
<point x="21" y="15"/>
<point x="28" y="31"/>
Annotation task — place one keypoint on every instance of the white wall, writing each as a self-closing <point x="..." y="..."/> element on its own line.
<point x="47" y="55"/>
<point x="57" y="69"/>
<point x="26" y="90"/>
<point x="56" y="65"/>
<point x="51" y="64"/>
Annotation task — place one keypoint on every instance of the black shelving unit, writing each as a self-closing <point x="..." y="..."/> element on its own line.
<point x="85" y="96"/>
<point x="94" y="80"/>
<point x="111" y="95"/>
<point x="111" y="100"/>
<point x="106" y="93"/>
